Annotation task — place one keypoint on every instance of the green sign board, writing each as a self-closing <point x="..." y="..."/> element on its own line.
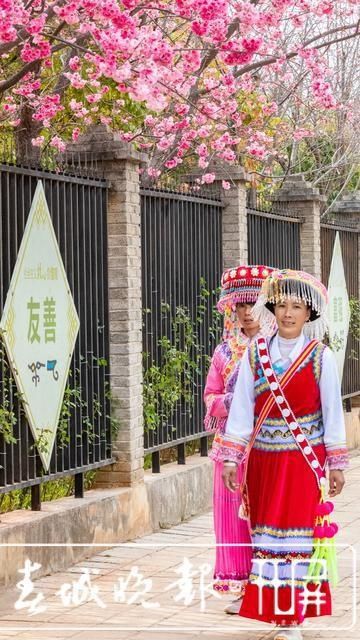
<point x="39" y="326"/>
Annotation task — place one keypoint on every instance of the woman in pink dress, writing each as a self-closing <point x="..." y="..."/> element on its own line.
<point x="240" y="288"/>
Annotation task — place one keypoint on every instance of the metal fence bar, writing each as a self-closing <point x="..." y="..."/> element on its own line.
<point x="273" y="239"/>
<point x="181" y="243"/>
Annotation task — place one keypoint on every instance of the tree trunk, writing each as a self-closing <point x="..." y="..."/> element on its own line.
<point x="28" y="128"/>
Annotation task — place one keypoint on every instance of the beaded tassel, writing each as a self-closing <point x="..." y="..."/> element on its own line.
<point x="324" y="546"/>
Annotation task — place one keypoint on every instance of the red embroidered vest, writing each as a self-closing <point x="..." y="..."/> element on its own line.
<point x="302" y="392"/>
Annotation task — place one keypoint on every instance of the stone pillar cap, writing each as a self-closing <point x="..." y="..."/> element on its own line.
<point x="295" y="188"/>
<point x="229" y="172"/>
<point x="104" y="145"/>
<point x="222" y="171"/>
<point x="348" y="204"/>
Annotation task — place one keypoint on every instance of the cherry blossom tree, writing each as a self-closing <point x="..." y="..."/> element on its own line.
<point x="330" y="158"/>
<point x="190" y="81"/>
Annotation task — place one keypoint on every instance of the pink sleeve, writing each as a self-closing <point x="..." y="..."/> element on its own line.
<point x="214" y="394"/>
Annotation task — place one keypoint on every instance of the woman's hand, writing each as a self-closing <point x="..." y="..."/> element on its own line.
<point x="229" y="477"/>
<point x="336" y="482"/>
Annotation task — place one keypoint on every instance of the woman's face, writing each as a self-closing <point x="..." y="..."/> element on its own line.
<point x="291" y="316"/>
<point x="244" y="315"/>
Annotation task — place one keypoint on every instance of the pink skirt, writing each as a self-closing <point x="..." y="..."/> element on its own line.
<point x="232" y="565"/>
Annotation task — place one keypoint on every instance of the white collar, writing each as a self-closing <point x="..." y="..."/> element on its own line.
<point x="294" y="353"/>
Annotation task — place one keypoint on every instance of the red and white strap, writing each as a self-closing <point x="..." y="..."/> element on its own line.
<point x="287" y="413"/>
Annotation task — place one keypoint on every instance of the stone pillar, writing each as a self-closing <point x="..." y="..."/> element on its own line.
<point x="348" y="210"/>
<point x="348" y="207"/>
<point x="234" y="219"/>
<point x="120" y="164"/>
<point x="305" y="201"/>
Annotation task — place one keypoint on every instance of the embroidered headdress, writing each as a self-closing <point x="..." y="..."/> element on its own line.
<point x="241" y="285"/>
<point x="298" y="285"/>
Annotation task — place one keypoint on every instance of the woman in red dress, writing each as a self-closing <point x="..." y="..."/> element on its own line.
<point x="285" y="425"/>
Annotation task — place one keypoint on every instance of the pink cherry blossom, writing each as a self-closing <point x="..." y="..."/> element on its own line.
<point x="38" y="142"/>
<point x="299" y="134"/>
<point x="58" y="143"/>
<point x="75" y="134"/>
<point x="203" y="163"/>
<point x="75" y="63"/>
<point x="202" y="151"/>
<point x="179" y="78"/>
<point x="208" y="178"/>
<point x="256" y="150"/>
<point x="153" y="173"/>
<point x="171" y="164"/>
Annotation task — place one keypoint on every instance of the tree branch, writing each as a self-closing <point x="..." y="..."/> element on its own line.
<point x="27" y="68"/>
<point x="16" y="77"/>
<point x="64" y="82"/>
<point x="343" y="187"/>
<point x="262" y="63"/>
<point x="73" y="45"/>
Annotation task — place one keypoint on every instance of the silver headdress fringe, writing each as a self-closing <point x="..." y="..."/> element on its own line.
<point x="275" y="290"/>
<point x="263" y="316"/>
<point x="316" y="329"/>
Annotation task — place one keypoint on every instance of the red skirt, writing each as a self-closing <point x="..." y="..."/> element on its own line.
<point x="283" y="495"/>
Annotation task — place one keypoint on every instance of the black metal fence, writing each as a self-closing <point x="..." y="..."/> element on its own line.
<point x="350" y="248"/>
<point x="181" y="258"/>
<point x="273" y="233"/>
<point x="78" y="208"/>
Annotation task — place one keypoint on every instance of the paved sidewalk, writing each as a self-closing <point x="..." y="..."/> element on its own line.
<point x="160" y="591"/>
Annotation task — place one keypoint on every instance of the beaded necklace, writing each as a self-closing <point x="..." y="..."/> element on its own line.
<point x="237" y="345"/>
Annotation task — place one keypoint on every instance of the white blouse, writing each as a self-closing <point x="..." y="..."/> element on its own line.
<point x="240" y="422"/>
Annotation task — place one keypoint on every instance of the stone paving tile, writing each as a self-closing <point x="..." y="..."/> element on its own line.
<point x="159" y="561"/>
<point x="32" y="634"/>
<point x="105" y="635"/>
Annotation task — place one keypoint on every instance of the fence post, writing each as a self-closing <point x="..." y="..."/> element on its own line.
<point x="348" y="208"/>
<point x="120" y="165"/>
<point x="234" y="216"/>
<point x="306" y="201"/>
